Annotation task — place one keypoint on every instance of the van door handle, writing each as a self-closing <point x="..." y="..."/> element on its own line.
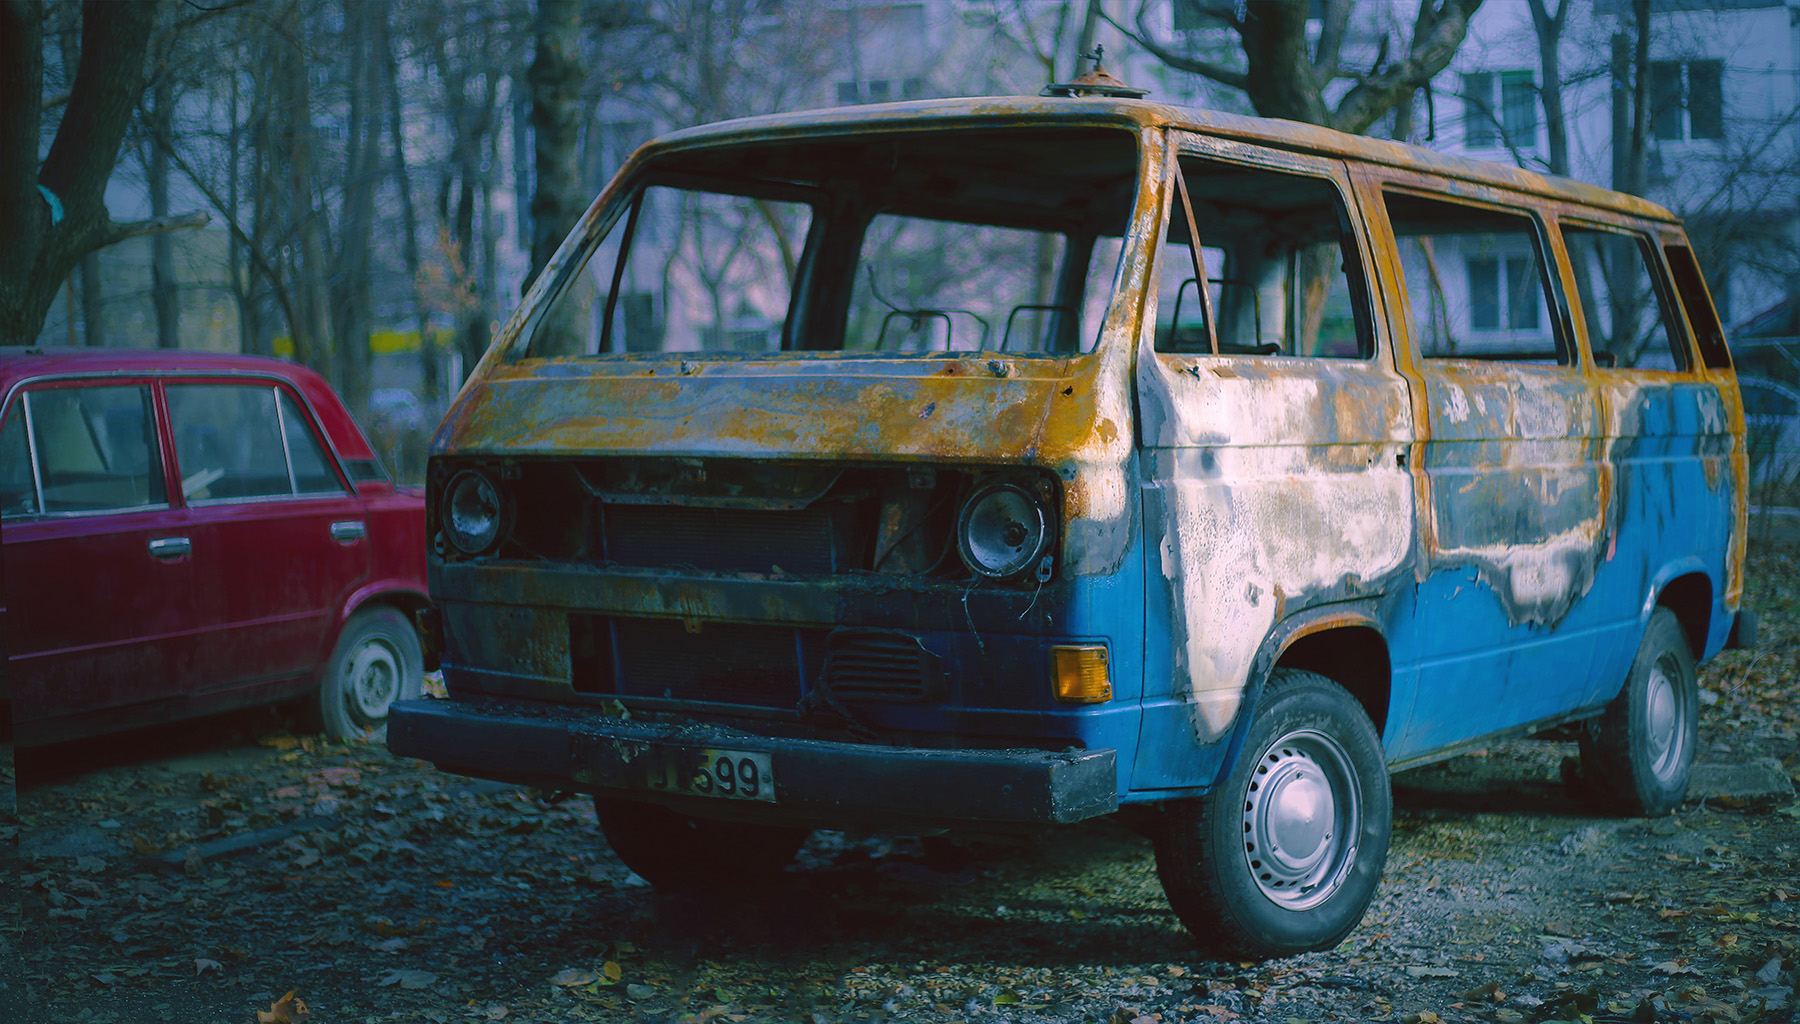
<point x="348" y="530"/>
<point x="170" y="547"/>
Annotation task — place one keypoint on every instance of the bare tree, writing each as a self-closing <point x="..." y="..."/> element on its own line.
<point x="53" y="214"/>
<point x="352" y="294"/>
<point x="1286" y="75"/>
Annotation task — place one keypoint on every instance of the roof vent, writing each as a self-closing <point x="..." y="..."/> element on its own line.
<point x="1097" y="82"/>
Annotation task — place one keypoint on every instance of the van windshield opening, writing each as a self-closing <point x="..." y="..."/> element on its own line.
<point x="895" y="244"/>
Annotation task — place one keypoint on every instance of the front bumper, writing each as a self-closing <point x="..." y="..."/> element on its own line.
<point x="817" y="782"/>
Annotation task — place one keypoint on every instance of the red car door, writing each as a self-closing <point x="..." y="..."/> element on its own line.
<point x="276" y="529"/>
<point x="99" y="575"/>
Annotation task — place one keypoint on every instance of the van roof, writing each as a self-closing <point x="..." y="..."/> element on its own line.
<point x="1032" y="111"/>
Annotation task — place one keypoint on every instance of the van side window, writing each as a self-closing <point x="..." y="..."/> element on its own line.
<point x="1627" y="324"/>
<point x="1699" y="305"/>
<point x="1281" y="266"/>
<point x="1476" y="281"/>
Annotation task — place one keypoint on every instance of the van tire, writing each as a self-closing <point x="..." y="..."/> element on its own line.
<point x="1636" y="758"/>
<point x="1213" y="853"/>
<point x="377" y="661"/>
<point x="673" y="851"/>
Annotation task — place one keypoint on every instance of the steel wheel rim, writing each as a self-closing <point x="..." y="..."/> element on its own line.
<point x="1302" y="819"/>
<point x="374" y="675"/>
<point x="1665" y="727"/>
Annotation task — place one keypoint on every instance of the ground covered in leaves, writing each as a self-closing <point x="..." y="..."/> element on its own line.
<point x="230" y="873"/>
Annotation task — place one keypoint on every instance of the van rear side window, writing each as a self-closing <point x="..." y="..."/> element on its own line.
<point x="1701" y="314"/>
<point x="1627" y="325"/>
<point x="1476" y="282"/>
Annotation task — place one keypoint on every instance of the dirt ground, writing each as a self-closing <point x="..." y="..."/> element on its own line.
<point x="205" y="873"/>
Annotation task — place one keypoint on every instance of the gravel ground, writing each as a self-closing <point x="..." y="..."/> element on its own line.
<point x="224" y="873"/>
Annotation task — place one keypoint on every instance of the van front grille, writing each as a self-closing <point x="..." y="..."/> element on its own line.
<point x="754" y="665"/>
<point x="881" y="665"/>
<point x="803" y="541"/>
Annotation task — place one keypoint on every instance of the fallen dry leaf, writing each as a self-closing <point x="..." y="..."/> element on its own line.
<point x="289" y="1009"/>
<point x="409" y="979"/>
<point x="202" y="965"/>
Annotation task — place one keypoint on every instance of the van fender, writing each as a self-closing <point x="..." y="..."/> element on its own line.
<point x="1283" y="635"/>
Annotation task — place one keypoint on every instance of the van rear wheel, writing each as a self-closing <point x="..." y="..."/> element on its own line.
<point x="1285" y="855"/>
<point x="1637" y="756"/>
<point x="671" y="850"/>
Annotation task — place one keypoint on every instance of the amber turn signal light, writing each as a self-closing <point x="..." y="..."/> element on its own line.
<point x="1080" y="674"/>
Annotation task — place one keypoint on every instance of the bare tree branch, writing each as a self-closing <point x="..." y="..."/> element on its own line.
<point x="116" y="232"/>
<point x="1430" y="53"/>
<point x="1332" y="30"/>
<point x="1145" y="38"/>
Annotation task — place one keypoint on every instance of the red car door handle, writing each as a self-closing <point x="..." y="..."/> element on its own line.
<point x="170" y="547"/>
<point x="348" y="530"/>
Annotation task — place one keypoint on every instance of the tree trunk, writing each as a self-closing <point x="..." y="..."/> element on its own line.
<point x="165" y="289"/>
<point x="555" y="78"/>
<point x="352" y="296"/>
<point x="429" y="384"/>
<point x="1630" y="100"/>
<point x="1549" y="29"/>
<point x="41" y="247"/>
<point x="93" y="302"/>
<point x="312" y="346"/>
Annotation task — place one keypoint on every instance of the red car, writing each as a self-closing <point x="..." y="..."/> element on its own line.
<point x="186" y="533"/>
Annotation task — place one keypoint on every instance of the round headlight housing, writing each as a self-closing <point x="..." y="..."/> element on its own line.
<point x="474" y="512"/>
<point x="1003" y="531"/>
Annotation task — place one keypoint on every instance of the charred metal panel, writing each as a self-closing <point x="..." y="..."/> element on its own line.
<point x="1271" y="484"/>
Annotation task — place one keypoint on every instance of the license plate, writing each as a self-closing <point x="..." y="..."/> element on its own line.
<point x="727" y="774"/>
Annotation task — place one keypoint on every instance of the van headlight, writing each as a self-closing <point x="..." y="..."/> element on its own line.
<point x="475" y="512"/>
<point x="1003" y="531"/>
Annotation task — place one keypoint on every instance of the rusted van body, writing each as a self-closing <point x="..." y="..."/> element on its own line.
<point x="900" y="474"/>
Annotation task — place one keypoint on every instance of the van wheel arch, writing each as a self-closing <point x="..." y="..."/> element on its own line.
<point x="1690" y="597"/>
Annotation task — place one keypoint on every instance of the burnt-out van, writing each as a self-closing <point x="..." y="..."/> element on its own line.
<point x="1003" y="463"/>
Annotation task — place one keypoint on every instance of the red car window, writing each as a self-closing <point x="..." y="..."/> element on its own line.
<point x="312" y="469"/>
<point x="235" y="442"/>
<point x="95" y="448"/>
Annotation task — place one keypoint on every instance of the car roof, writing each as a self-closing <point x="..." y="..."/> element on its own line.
<point x="18" y="366"/>
<point x="1013" y="112"/>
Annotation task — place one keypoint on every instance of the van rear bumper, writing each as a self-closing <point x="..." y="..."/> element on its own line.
<point x="817" y="782"/>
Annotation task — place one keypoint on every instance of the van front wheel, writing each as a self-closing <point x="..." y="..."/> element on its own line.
<point x="1285" y="855"/>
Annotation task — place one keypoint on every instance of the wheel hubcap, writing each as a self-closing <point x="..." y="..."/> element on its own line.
<point x="374" y="680"/>
<point x="1665" y="727"/>
<point x="1302" y="816"/>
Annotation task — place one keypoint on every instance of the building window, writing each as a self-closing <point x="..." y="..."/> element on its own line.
<point x="1486" y="294"/>
<point x="1500" y="108"/>
<point x="1687" y="99"/>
